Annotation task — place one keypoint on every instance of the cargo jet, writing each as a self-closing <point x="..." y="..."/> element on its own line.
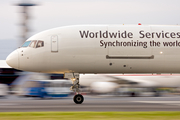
<point x="95" y="49"/>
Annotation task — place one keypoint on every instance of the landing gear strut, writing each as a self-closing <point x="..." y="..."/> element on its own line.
<point x="78" y="98"/>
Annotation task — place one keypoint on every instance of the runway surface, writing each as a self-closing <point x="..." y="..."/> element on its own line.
<point x="91" y="103"/>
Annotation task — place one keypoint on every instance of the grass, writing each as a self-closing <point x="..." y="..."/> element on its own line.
<point x="90" y="116"/>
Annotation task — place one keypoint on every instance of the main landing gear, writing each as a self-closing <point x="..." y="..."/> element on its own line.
<point x="78" y="98"/>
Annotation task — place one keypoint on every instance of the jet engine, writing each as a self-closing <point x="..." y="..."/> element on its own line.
<point x="103" y="87"/>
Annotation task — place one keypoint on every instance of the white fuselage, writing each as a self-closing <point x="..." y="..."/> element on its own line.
<point x="102" y="49"/>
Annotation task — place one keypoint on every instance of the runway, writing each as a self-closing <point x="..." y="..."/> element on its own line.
<point x="91" y="103"/>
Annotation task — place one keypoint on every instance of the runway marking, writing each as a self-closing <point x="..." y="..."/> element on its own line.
<point x="176" y="103"/>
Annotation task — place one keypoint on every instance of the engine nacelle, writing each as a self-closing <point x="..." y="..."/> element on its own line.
<point x="103" y="87"/>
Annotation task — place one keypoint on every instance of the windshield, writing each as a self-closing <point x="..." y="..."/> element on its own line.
<point x="26" y="44"/>
<point x="33" y="43"/>
<point x="40" y="44"/>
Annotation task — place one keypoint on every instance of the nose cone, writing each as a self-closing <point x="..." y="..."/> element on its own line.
<point x="12" y="59"/>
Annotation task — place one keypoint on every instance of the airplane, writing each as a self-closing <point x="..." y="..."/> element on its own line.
<point x="108" y="83"/>
<point x="72" y="50"/>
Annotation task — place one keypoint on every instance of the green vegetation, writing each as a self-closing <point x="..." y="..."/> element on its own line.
<point x="90" y="116"/>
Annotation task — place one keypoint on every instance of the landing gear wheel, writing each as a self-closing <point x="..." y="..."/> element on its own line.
<point x="78" y="99"/>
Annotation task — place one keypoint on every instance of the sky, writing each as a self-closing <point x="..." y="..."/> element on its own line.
<point x="56" y="13"/>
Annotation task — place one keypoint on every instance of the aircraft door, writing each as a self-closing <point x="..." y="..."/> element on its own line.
<point x="54" y="43"/>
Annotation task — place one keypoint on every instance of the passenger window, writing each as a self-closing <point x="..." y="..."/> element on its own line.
<point x="33" y="44"/>
<point x="40" y="44"/>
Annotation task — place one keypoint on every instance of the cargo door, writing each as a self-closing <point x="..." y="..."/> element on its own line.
<point x="129" y="48"/>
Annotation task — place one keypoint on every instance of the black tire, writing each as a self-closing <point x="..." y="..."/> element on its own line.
<point x="78" y="99"/>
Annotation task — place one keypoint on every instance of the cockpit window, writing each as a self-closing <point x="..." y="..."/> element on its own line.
<point x="40" y="44"/>
<point x="26" y="44"/>
<point x="33" y="44"/>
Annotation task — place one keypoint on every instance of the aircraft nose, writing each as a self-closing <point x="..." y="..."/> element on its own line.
<point x="12" y="59"/>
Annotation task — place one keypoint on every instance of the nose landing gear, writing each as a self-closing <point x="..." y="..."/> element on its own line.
<point x="78" y="98"/>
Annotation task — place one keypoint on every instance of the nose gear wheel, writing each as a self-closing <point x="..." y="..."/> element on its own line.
<point x="78" y="99"/>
